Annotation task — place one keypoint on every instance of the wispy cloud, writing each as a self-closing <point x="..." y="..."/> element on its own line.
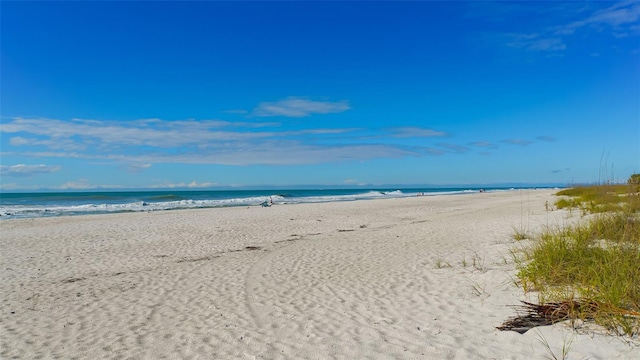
<point x="299" y="107"/>
<point x="150" y="141"/>
<point x="557" y="24"/>
<point x="24" y="170"/>
<point x="58" y="143"/>
<point x="458" y="149"/>
<point x="535" y="42"/>
<point x="79" y="133"/>
<point x="241" y="124"/>
<point x="191" y="185"/>
<point x="265" y="153"/>
<point x="520" y="142"/>
<point x="546" y="138"/>
<point x="409" y="132"/>
<point x="82" y="184"/>
<point x="430" y="151"/>
<point x="484" y="144"/>
<point x="135" y="168"/>
<point x="236" y="111"/>
<point x="621" y="16"/>
<point x="320" y="131"/>
<point x="354" y="182"/>
<point x="135" y="146"/>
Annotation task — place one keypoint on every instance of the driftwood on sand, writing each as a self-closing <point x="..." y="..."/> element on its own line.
<point x="545" y="314"/>
<point x="550" y="313"/>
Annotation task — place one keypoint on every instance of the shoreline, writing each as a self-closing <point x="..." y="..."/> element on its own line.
<point x="414" y="277"/>
<point x="37" y="205"/>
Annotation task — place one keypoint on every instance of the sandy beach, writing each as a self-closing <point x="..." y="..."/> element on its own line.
<point x="429" y="277"/>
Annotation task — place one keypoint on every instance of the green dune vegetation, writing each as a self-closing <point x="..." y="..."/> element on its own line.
<point x="589" y="270"/>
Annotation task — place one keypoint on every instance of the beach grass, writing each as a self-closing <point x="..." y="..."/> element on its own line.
<point x="595" y="263"/>
<point x="600" y="198"/>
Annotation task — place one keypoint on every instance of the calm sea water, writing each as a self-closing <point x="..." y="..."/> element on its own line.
<point x="30" y="205"/>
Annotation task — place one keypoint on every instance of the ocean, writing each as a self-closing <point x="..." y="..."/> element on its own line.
<point x="47" y="204"/>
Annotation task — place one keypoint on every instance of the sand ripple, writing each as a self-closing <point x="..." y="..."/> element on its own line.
<point x="428" y="277"/>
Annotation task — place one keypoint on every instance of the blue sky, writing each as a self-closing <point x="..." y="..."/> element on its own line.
<point x="109" y="95"/>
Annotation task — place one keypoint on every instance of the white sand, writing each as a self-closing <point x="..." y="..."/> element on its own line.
<point x="350" y="280"/>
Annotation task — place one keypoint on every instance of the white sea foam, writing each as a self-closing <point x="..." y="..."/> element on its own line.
<point x="29" y="211"/>
<point x="277" y="283"/>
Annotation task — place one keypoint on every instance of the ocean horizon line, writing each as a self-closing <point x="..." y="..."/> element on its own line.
<point x="290" y="187"/>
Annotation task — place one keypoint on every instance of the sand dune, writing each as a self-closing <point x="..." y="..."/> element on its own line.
<point x="414" y="278"/>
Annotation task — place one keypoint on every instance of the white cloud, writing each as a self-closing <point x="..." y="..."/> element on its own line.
<point x="137" y="145"/>
<point x="281" y="152"/>
<point x="27" y="170"/>
<point x="548" y="44"/>
<point x="517" y="142"/>
<point x="82" y="184"/>
<point x="556" y="23"/>
<point x="407" y="132"/>
<point x="134" y="168"/>
<point x="320" y="131"/>
<point x="78" y="134"/>
<point x="431" y="151"/>
<point x="455" y="148"/>
<point x="149" y="141"/>
<point x="17" y="141"/>
<point x="354" y="182"/>
<point x="154" y="132"/>
<point x="191" y="185"/>
<point x="221" y="123"/>
<point x="297" y="153"/>
<point x="534" y="42"/>
<point x="58" y="143"/>
<point x="9" y="186"/>
<point x="299" y="107"/>
<point x="618" y="16"/>
<point x="15" y="186"/>
<point x="483" y="144"/>
<point x="546" y="138"/>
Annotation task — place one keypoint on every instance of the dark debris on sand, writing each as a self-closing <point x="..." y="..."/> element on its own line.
<point x="546" y="314"/>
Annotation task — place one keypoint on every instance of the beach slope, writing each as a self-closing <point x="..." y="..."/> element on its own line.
<point x="412" y="278"/>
